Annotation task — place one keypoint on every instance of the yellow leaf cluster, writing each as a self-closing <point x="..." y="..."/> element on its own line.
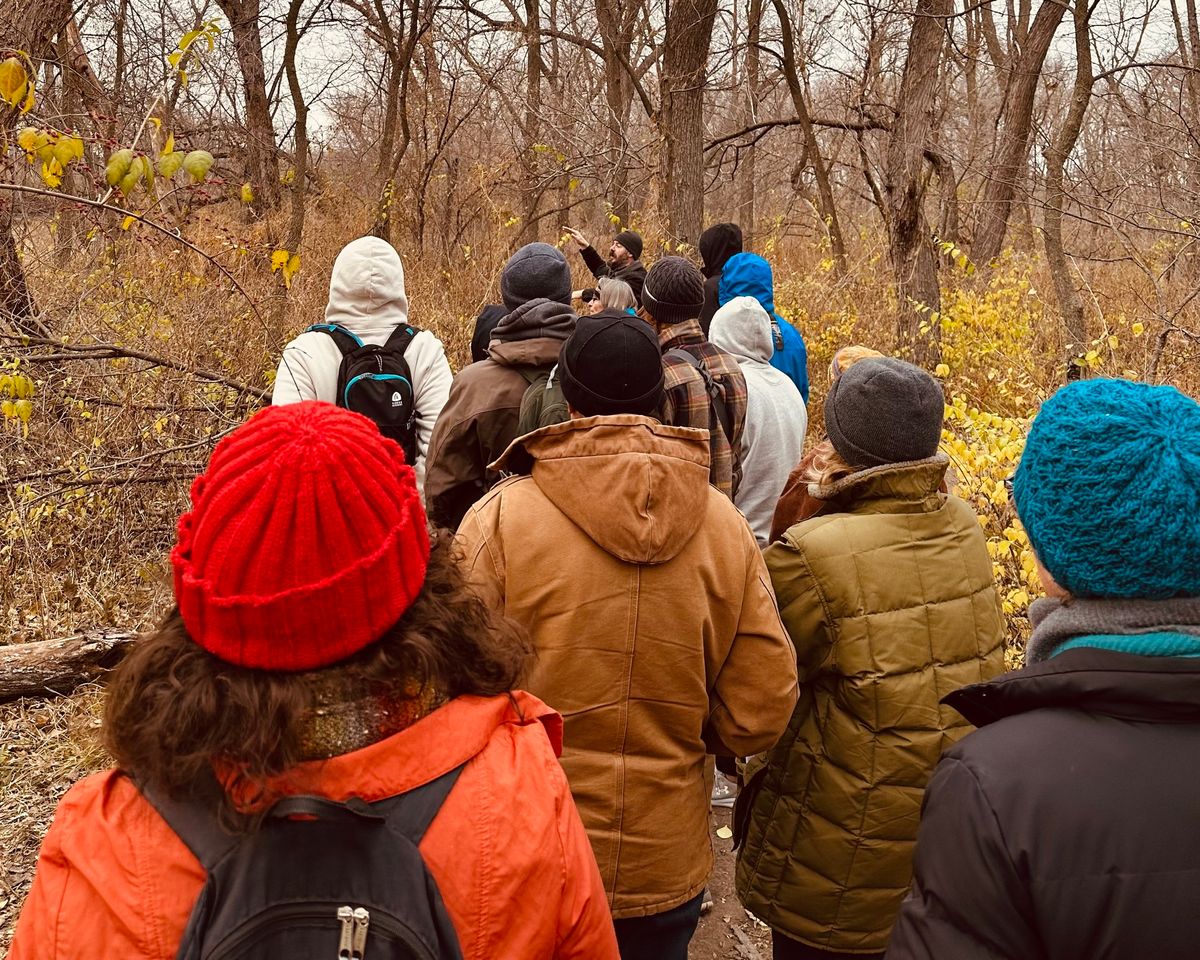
<point x="286" y="264"/>
<point x="54" y="149"/>
<point x="17" y="86"/>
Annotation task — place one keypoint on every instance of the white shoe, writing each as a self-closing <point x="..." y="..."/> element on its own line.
<point x="724" y="790"/>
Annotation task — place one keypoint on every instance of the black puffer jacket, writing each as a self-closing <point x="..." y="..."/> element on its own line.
<point x="1065" y="828"/>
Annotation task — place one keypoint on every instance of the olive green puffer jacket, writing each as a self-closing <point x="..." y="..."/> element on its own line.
<point x="890" y="603"/>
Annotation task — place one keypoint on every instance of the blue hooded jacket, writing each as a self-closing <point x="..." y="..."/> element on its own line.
<point x="749" y="275"/>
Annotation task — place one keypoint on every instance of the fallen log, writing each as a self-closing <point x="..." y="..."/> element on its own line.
<point x="47" y="667"/>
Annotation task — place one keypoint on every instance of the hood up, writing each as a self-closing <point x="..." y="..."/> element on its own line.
<point x="636" y="487"/>
<point x="717" y="244"/>
<point x="1122" y="685"/>
<point x="366" y="288"/>
<point x="743" y="328"/>
<point x="748" y="275"/>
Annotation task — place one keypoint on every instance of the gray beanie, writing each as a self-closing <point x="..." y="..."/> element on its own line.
<point x="536" y="271"/>
<point x="884" y="410"/>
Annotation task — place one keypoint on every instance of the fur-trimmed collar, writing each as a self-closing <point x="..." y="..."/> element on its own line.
<point x="881" y="481"/>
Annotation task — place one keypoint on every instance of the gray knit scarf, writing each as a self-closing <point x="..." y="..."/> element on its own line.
<point x="1057" y="621"/>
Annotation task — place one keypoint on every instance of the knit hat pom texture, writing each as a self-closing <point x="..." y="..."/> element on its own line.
<point x="1108" y="490"/>
<point x="306" y="540"/>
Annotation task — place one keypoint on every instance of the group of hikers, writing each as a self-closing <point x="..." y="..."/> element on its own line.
<point x="460" y="663"/>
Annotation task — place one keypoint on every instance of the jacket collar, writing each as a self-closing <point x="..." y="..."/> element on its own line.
<point x="913" y="480"/>
<point x="686" y="333"/>
<point x="1121" y="685"/>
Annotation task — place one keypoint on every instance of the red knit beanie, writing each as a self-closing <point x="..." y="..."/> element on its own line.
<point x="306" y="540"/>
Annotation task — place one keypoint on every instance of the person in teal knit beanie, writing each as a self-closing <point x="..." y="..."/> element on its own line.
<point x="1108" y="490"/>
<point x="1064" y="826"/>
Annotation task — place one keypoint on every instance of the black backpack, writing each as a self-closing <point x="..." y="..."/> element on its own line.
<point x="375" y="380"/>
<point x="348" y="878"/>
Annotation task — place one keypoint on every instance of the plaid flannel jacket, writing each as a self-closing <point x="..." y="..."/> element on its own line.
<point x="686" y="402"/>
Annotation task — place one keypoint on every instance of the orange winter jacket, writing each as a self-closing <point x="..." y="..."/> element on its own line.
<point x="507" y="849"/>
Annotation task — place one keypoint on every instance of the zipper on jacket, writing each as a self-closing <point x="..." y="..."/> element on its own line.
<point x="361" y="919"/>
<point x="345" y="917"/>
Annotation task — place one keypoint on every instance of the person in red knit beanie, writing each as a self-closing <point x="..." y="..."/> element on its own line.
<point x="321" y="646"/>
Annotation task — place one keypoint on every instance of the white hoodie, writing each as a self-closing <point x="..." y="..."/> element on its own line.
<point x="776" y="418"/>
<point x="366" y="296"/>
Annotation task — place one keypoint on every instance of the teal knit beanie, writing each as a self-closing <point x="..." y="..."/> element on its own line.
<point x="1108" y="490"/>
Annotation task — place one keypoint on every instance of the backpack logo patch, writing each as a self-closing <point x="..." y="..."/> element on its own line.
<point x="397" y="400"/>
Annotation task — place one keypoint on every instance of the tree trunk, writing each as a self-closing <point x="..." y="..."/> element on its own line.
<point x="616" y="21"/>
<point x="684" y="71"/>
<point x="746" y="211"/>
<point x="914" y="266"/>
<point x="262" y="156"/>
<point x="532" y="165"/>
<point x="48" y="667"/>
<point x="33" y="31"/>
<point x="812" y="148"/>
<point x="1070" y="304"/>
<point x="1011" y="151"/>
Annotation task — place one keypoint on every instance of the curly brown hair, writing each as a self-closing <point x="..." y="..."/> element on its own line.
<point x="173" y="708"/>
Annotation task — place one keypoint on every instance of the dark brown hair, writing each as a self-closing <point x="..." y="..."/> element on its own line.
<point x="173" y="708"/>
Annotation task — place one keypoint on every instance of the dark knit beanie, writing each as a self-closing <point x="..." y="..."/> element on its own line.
<point x="631" y="242"/>
<point x="1108" y="490"/>
<point x="611" y="364"/>
<point x="536" y="271"/>
<point x="884" y="410"/>
<point x="673" y="291"/>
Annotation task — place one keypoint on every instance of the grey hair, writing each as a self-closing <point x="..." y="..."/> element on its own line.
<point x="616" y="294"/>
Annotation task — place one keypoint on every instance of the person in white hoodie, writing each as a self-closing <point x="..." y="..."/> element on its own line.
<point x="776" y="418"/>
<point x="366" y="298"/>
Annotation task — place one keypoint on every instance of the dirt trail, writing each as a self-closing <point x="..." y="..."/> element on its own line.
<point x="727" y="933"/>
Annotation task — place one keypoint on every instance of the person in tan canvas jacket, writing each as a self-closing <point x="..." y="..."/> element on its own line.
<point x="652" y="615"/>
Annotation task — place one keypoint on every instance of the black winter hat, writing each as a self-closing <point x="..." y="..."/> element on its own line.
<point x="883" y="410"/>
<point x="631" y="242"/>
<point x="611" y="364"/>
<point x="536" y="271"/>
<point x="673" y="291"/>
<point x="717" y="244"/>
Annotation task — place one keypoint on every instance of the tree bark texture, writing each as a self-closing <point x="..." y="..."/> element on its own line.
<point x="48" y="667"/>
<point x="262" y="156"/>
<point x="914" y="266"/>
<point x="532" y="188"/>
<point x="812" y="148"/>
<point x="753" y="84"/>
<point x="684" y="67"/>
<point x="616" y="21"/>
<point x="1070" y="305"/>
<point x="1010" y="152"/>
<point x="33" y="31"/>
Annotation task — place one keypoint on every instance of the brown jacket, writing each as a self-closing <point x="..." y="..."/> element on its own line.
<point x="480" y="417"/>
<point x="889" y="599"/>
<point x="656" y="630"/>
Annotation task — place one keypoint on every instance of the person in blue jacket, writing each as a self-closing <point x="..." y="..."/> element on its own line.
<point x="749" y="275"/>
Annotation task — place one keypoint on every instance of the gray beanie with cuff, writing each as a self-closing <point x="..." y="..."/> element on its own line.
<point x="536" y="271"/>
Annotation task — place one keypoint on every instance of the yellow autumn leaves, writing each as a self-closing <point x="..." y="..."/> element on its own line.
<point x="16" y="397"/>
<point x="286" y="264"/>
<point x="16" y="82"/>
<point x="53" y="149"/>
<point x="126" y="170"/>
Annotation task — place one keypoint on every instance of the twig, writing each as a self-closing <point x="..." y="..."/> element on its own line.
<point x="110" y="351"/>
<point x="173" y="234"/>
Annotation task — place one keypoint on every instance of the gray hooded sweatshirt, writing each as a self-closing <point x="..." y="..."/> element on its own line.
<point x="776" y="418"/>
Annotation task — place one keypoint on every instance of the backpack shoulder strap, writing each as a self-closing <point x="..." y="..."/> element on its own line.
<point x="716" y="392"/>
<point x="400" y="338"/>
<point x="346" y="342"/>
<point x="533" y="374"/>
<point x="411" y="813"/>
<point x="194" y="820"/>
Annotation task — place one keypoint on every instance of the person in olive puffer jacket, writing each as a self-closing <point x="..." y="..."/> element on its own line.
<point x="1065" y="827"/>
<point x="889" y="599"/>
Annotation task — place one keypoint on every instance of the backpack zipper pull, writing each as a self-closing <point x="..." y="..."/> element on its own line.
<point x="361" y="919"/>
<point x="345" y="917"/>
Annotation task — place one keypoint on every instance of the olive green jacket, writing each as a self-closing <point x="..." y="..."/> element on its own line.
<point x="891" y="604"/>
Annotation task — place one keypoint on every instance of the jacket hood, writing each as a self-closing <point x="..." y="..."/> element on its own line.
<point x="743" y="328"/>
<point x="366" y="288"/>
<point x="540" y="318"/>
<point x="636" y="487"/>
<point x="748" y="275"/>
<point x="717" y="244"/>
<point x="1121" y="685"/>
